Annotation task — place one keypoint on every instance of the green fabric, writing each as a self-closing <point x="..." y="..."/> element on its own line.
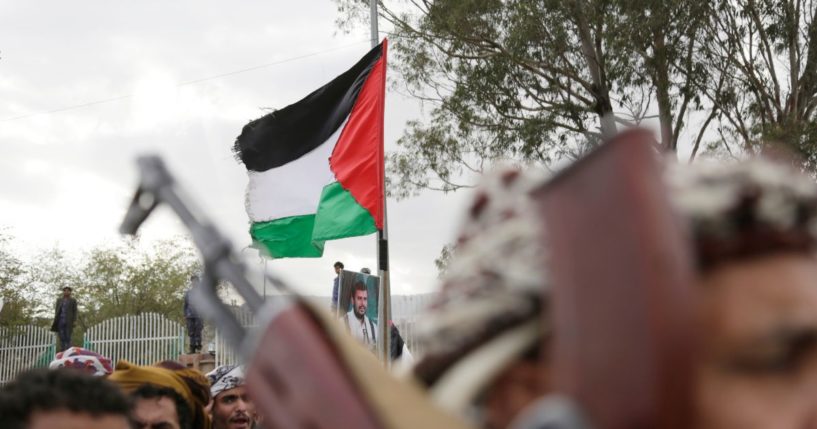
<point x="340" y="216"/>
<point x="289" y="237"/>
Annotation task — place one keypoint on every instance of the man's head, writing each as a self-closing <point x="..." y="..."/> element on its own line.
<point x="188" y="384"/>
<point x="754" y="228"/>
<point x="66" y="292"/>
<point x="232" y="408"/>
<point x="155" y="407"/>
<point x="78" y="358"/>
<point x="338" y="267"/>
<point x="41" y="399"/>
<point x="360" y="299"/>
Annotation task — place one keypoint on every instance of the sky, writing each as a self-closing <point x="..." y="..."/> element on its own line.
<point x="87" y="87"/>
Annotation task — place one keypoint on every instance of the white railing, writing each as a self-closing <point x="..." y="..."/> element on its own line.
<point x="144" y="339"/>
<point x="24" y="347"/>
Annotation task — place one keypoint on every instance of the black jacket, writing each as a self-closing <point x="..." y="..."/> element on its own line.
<point x="70" y="313"/>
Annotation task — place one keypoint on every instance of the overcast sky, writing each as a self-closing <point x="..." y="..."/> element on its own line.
<point x="162" y="73"/>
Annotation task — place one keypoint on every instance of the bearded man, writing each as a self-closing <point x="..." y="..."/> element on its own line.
<point x="357" y="323"/>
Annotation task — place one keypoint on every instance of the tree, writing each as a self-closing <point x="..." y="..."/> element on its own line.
<point x="125" y="279"/>
<point x="766" y="53"/>
<point x="442" y="261"/>
<point x="17" y="308"/>
<point x="537" y="81"/>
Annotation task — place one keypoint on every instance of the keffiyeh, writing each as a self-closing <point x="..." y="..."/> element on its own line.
<point x="488" y="310"/>
<point x="225" y="377"/>
<point x="84" y="360"/>
<point x="744" y="209"/>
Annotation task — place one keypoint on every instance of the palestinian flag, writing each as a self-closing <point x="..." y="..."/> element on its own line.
<point x="316" y="167"/>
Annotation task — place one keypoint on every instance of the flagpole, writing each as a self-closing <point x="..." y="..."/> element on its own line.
<point x="373" y="20"/>
<point x="384" y="309"/>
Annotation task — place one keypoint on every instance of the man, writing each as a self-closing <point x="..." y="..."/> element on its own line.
<point x="187" y="383"/>
<point x="65" y="399"/>
<point x="357" y="323"/>
<point x="194" y="322"/>
<point x="753" y="226"/>
<point x="65" y="314"/>
<point x="155" y="407"/>
<point x="232" y="408"/>
<point x="336" y="287"/>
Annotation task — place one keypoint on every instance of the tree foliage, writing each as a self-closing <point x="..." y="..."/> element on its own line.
<point x="541" y="80"/>
<point x="535" y="81"/>
<point x="766" y="53"/>
<point x="111" y="280"/>
<point x="123" y="279"/>
<point x="17" y="307"/>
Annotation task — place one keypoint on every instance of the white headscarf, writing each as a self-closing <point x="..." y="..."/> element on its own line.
<point x="225" y="377"/>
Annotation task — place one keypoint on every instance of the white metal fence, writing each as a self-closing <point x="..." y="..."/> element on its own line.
<point x="150" y="337"/>
<point x="24" y="347"/>
<point x="144" y="339"/>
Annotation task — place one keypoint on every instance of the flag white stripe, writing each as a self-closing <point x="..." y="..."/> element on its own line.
<point x="293" y="189"/>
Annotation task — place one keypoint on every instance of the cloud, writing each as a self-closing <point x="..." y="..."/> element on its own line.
<point x="161" y="70"/>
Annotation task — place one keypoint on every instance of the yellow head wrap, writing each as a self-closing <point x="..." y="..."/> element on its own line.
<point x="129" y="377"/>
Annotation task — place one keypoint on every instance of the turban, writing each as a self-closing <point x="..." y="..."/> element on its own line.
<point x="84" y="360"/>
<point x="130" y="377"/>
<point x="199" y="387"/>
<point x="225" y="377"/>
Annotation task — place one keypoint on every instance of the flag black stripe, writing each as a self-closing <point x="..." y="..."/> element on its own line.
<point x="293" y="131"/>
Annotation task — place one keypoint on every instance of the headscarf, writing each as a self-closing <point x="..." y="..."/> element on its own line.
<point x="199" y="387"/>
<point x="488" y="310"/>
<point x="129" y="377"/>
<point x="84" y="360"/>
<point x="225" y="377"/>
<point x="744" y="209"/>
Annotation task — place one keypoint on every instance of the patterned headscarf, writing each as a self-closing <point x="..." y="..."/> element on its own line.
<point x="225" y="377"/>
<point x="744" y="209"/>
<point x="487" y="312"/>
<point x="84" y="360"/>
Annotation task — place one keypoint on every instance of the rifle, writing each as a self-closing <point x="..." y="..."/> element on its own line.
<point x="298" y="353"/>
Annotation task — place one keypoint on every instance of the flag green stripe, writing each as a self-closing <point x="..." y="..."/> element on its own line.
<point x="289" y="237"/>
<point x="340" y="216"/>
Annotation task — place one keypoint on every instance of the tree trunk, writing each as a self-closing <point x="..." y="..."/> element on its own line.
<point x="601" y="91"/>
<point x="662" y="88"/>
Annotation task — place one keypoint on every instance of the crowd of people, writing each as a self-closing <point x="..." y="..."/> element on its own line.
<point x="81" y="390"/>
<point x="486" y="337"/>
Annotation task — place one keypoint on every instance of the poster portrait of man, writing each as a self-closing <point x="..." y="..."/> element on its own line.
<point x="358" y="306"/>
